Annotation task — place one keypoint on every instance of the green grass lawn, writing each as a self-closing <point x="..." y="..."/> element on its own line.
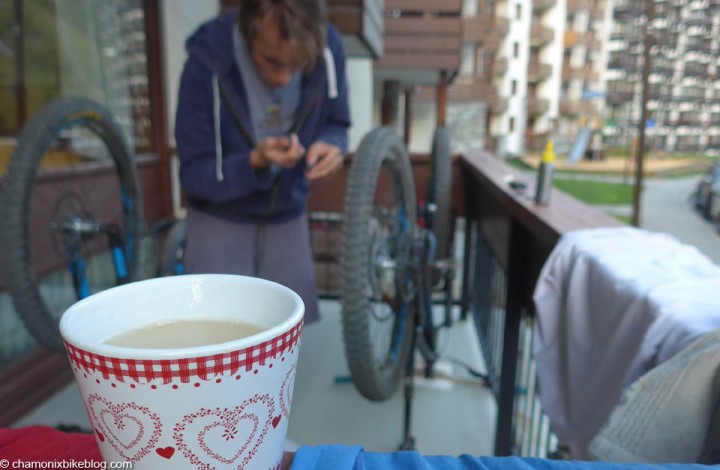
<point x="596" y="192"/>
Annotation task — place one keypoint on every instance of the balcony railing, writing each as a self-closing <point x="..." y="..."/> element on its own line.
<point x="537" y="106"/>
<point x="461" y="92"/>
<point x="498" y="105"/>
<point x="538" y="71"/>
<point x="535" y="142"/>
<point x="574" y="6"/>
<point x="488" y="31"/>
<point x="500" y="66"/>
<point x="572" y="107"/>
<point x="507" y="240"/>
<point x="579" y="73"/>
<point x="540" y="35"/>
<point x="542" y="5"/>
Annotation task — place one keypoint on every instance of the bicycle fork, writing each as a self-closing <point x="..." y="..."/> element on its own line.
<point x="423" y="331"/>
<point x="77" y="230"/>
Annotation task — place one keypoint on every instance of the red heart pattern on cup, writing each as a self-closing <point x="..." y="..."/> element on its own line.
<point x="132" y="430"/>
<point x="223" y="435"/>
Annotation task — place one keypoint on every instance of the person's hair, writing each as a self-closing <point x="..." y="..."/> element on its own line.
<point x="301" y="22"/>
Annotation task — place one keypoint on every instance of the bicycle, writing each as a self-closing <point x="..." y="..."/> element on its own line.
<point x="71" y="213"/>
<point x="396" y="255"/>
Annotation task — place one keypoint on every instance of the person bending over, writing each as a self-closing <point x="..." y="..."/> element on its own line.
<point x="262" y="110"/>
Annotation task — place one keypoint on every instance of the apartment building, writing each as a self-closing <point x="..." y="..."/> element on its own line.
<point x="684" y="81"/>
<point x="535" y="69"/>
<point x="535" y="66"/>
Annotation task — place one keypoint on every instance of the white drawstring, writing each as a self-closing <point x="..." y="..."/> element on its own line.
<point x="331" y="77"/>
<point x="216" y="117"/>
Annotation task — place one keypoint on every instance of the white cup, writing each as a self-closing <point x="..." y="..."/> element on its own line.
<point x="224" y="405"/>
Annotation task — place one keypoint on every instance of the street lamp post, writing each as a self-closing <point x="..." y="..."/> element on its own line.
<point x="649" y="17"/>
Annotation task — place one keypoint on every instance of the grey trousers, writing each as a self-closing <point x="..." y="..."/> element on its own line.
<point x="279" y="252"/>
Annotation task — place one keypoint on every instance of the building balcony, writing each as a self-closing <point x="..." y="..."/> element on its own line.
<point x="689" y="119"/>
<point x="498" y="105"/>
<point x="627" y="9"/>
<point x="460" y="92"/>
<point x="664" y="67"/>
<point x="594" y="45"/>
<point x="485" y="30"/>
<point x="698" y="18"/>
<point x="542" y="5"/>
<point x="500" y="66"/>
<point x="698" y="31"/>
<point x="573" y="38"/>
<point x="540" y="35"/>
<point x="623" y="61"/>
<point x="477" y="29"/>
<point x="360" y="23"/>
<point x="537" y="106"/>
<point x="421" y="40"/>
<point x="569" y="107"/>
<point x="536" y="141"/>
<point x="660" y="92"/>
<point x="697" y="5"/>
<point x="695" y="44"/>
<point x="597" y="14"/>
<point x="538" y="71"/>
<point x="574" y="6"/>
<point x="579" y="73"/>
<point x="696" y="69"/>
<point x="576" y="107"/>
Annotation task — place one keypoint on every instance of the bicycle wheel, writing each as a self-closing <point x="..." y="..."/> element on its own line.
<point x="440" y="191"/>
<point x="377" y="298"/>
<point x="172" y="251"/>
<point x="70" y="177"/>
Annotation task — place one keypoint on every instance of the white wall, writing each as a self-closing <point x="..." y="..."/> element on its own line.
<point x="359" y="72"/>
<point x="422" y="126"/>
<point x="519" y="33"/>
<point x="180" y="19"/>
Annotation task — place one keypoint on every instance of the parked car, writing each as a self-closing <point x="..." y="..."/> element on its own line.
<point x="707" y="194"/>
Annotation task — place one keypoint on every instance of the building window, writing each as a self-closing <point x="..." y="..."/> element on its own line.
<point x="513" y="87"/>
<point x="95" y="50"/>
<point x="518" y="11"/>
<point x="511" y="124"/>
<point x="516" y="49"/>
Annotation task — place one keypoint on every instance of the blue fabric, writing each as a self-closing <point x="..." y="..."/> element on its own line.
<point x="244" y="195"/>
<point x="332" y="457"/>
<point x="337" y="457"/>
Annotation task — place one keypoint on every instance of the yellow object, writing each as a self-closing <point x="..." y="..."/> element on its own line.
<point x="548" y="155"/>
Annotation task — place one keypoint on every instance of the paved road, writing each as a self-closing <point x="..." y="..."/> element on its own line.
<point x="666" y="206"/>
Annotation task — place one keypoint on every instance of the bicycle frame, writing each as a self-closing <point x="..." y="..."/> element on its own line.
<point x="77" y="229"/>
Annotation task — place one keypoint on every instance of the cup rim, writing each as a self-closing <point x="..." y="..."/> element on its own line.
<point x="295" y="317"/>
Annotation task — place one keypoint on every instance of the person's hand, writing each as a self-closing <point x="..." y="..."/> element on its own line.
<point x="322" y="159"/>
<point x="287" y="460"/>
<point x="282" y="151"/>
